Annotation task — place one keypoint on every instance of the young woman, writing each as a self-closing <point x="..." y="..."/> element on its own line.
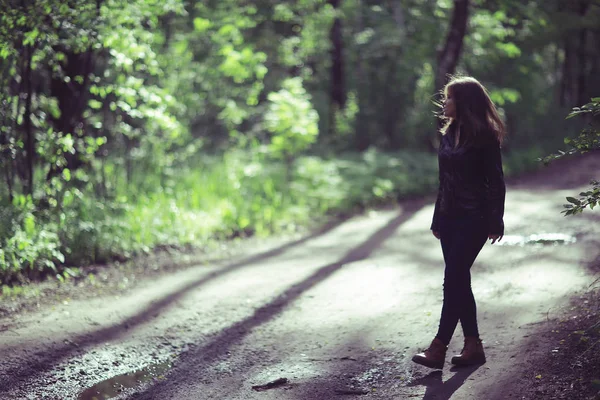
<point x="468" y="211"/>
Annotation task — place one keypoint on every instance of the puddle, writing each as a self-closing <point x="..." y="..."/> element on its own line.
<point x="114" y="386"/>
<point x="542" y="239"/>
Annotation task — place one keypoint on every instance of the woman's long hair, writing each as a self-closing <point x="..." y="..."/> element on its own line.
<point x="476" y="114"/>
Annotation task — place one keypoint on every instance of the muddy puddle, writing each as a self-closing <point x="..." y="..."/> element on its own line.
<point x="114" y="386"/>
<point x="541" y="239"/>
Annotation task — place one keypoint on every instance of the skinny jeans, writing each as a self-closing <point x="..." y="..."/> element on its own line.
<point x="462" y="238"/>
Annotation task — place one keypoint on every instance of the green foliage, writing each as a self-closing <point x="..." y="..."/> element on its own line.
<point x="587" y="140"/>
<point x="291" y="119"/>
<point x="345" y="118"/>
<point x="28" y="244"/>
<point x="589" y="198"/>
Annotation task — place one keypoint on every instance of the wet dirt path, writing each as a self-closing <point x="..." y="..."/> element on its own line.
<point x="339" y="314"/>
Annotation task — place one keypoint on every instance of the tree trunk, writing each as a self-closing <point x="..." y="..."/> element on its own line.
<point x="338" y="90"/>
<point x="566" y="81"/>
<point x="392" y="109"/>
<point x="72" y="97"/>
<point x="448" y="57"/>
<point x="362" y="139"/>
<point x="6" y="160"/>
<point x="582" y="59"/>
<point x="574" y="68"/>
<point x="7" y="102"/>
<point x="27" y="127"/>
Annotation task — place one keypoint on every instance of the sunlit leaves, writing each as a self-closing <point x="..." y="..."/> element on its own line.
<point x="503" y="95"/>
<point x="241" y="65"/>
<point x="291" y="119"/>
<point x="232" y="114"/>
<point x="283" y="12"/>
<point x="5" y="50"/>
<point x="201" y="24"/>
<point x="66" y="174"/>
<point x="493" y="28"/>
<point x="510" y="49"/>
<point x="364" y="37"/>
<point x="95" y="104"/>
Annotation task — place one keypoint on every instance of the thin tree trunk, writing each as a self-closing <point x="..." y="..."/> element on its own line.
<point x="362" y="133"/>
<point x="398" y="14"/>
<point x="581" y="78"/>
<point x="338" y="90"/>
<point x="566" y="81"/>
<point x="7" y="101"/>
<point x="448" y="57"/>
<point x="7" y="176"/>
<point x="128" y="163"/>
<point x="392" y="109"/>
<point x="581" y="59"/>
<point x="72" y="98"/>
<point x="29" y="139"/>
<point x="19" y="156"/>
<point x="5" y="155"/>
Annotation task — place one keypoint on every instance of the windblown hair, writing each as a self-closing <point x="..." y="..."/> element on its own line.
<point x="476" y="114"/>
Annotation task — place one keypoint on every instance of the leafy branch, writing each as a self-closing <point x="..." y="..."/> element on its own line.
<point x="587" y="140"/>
<point x="590" y="199"/>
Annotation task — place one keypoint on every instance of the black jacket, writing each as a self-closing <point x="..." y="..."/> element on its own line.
<point x="471" y="181"/>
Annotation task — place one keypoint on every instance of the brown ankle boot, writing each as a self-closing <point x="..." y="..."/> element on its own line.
<point x="434" y="356"/>
<point x="471" y="354"/>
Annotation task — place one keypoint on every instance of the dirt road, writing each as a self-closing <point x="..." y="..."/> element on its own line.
<point x="338" y="314"/>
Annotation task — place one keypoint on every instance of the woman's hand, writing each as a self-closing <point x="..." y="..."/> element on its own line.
<point x="495" y="238"/>
<point x="436" y="234"/>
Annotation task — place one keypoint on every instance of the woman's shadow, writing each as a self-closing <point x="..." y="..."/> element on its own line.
<point x="440" y="390"/>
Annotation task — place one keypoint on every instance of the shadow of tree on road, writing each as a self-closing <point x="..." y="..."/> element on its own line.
<point x="194" y="362"/>
<point x="48" y="358"/>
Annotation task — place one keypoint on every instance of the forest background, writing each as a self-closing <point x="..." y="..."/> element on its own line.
<point x="126" y="126"/>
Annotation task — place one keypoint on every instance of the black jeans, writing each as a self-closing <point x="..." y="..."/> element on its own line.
<point x="462" y="237"/>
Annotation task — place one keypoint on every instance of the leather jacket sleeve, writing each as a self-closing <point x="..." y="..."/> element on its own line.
<point x="496" y="193"/>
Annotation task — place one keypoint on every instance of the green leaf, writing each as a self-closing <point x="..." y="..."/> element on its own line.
<point x="4" y="52"/>
<point x="95" y="104"/>
<point x="510" y="49"/>
<point x="573" y="200"/>
<point x="201" y="24"/>
<point x="29" y="224"/>
<point x="31" y="36"/>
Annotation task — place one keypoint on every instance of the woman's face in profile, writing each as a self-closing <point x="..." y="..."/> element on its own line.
<point x="449" y="107"/>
